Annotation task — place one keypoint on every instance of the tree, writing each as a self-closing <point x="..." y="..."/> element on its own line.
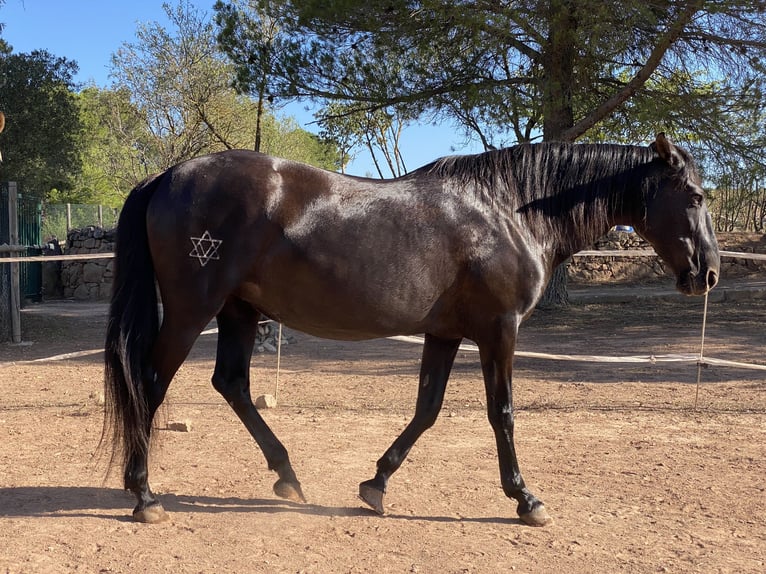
<point x="552" y="69"/>
<point x="4" y="47"/>
<point x="249" y="33"/>
<point x="254" y="34"/>
<point x="730" y="154"/>
<point x="379" y="131"/>
<point x="116" y="140"/>
<point x="41" y="141"/>
<point x="180" y="87"/>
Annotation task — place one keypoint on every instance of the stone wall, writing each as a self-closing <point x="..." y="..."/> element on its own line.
<point x="599" y="269"/>
<point x="88" y="279"/>
<point x="742" y="242"/>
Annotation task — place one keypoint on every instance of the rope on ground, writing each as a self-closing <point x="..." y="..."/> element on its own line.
<point x="62" y="357"/>
<point x="702" y="353"/>
<point x="653" y="359"/>
<point x="665" y="358"/>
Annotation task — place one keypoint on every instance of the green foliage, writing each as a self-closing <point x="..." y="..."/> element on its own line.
<point x="181" y="96"/>
<point x="41" y="142"/>
<point x="509" y="72"/>
<point x="180" y="86"/>
<point x="283" y="138"/>
<point x="249" y="33"/>
<point x="116" y="143"/>
<point x="2" y="25"/>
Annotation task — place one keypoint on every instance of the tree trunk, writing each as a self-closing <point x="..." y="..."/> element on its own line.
<point x="556" y="294"/>
<point x="558" y="114"/>
<point x="259" y="120"/>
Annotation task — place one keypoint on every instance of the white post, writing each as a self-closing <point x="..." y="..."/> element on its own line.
<point x="68" y="217"/>
<point x="13" y="239"/>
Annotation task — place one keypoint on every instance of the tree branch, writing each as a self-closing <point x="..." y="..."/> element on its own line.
<point x="672" y="34"/>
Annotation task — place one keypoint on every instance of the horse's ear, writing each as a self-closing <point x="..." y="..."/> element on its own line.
<point x="2" y="121"/>
<point x="667" y="151"/>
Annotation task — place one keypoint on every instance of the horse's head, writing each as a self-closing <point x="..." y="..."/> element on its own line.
<point x="677" y="222"/>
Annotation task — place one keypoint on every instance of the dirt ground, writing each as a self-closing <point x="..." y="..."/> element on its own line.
<point x="635" y="477"/>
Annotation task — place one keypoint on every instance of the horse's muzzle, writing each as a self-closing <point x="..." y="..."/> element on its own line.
<point x="697" y="283"/>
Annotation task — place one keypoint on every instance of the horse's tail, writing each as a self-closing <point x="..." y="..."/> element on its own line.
<point x="131" y="330"/>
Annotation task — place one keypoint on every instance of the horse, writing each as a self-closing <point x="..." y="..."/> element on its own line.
<point x="460" y="248"/>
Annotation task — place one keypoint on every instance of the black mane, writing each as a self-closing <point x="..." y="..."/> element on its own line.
<point x="529" y="172"/>
<point x="555" y="185"/>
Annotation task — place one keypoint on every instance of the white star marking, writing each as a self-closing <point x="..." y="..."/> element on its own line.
<point x="205" y="248"/>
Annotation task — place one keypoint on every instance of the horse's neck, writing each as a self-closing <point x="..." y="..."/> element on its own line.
<point x="580" y="226"/>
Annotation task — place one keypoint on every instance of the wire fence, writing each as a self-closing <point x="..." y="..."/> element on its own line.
<point x="59" y="218"/>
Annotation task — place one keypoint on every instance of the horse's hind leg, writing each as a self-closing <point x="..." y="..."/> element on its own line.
<point x="174" y="341"/>
<point x="435" y="367"/>
<point x="237" y="325"/>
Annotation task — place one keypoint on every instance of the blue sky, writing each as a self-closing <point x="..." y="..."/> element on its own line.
<point x="90" y="31"/>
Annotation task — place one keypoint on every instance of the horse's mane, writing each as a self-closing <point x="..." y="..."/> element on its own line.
<point x="555" y="184"/>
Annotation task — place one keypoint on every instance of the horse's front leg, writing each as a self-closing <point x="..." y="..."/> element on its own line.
<point x="497" y="366"/>
<point x="435" y="367"/>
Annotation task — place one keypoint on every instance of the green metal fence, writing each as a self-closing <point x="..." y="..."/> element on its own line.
<point x="30" y="225"/>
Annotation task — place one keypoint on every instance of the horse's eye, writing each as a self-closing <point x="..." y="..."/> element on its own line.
<point x="696" y="198"/>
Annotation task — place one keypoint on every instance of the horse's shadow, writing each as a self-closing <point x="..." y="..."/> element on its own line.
<point x="91" y="502"/>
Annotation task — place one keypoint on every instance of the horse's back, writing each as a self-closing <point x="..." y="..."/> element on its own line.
<point x="323" y="252"/>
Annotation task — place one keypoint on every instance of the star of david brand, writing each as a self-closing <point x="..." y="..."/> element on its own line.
<point x="205" y="248"/>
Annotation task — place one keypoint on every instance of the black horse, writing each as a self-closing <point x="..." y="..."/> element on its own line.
<point x="461" y="248"/>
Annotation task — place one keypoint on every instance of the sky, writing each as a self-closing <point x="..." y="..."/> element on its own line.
<point x="90" y="31"/>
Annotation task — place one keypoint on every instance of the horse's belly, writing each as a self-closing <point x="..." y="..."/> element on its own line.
<point x="344" y="312"/>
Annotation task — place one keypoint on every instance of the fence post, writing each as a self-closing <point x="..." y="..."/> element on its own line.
<point x="13" y="239"/>
<point x="68" y="217"/>
<point x="101" y="216"/>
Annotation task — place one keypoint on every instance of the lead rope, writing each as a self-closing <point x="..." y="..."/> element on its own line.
<point x="279" y="361"/>
<point x="701" y="357"/>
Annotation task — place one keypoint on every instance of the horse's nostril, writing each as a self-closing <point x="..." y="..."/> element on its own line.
<point x="712" y="279"/>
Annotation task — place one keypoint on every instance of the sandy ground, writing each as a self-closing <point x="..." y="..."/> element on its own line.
<point x="636" y="478"/>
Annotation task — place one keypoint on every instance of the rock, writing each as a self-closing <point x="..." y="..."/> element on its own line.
<point x="97" y="397"/>
<point x="266" y="402"/>
<point x="81" y="292"/>
<point x="92" y="272"/>
<point x="180" y="426"/>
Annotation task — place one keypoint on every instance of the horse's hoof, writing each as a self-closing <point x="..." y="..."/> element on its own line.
<point x="289" y="490"/>
<point x="372" y="497"/>
<point x="537" y="517"/>
<point x="151" y="514"/>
